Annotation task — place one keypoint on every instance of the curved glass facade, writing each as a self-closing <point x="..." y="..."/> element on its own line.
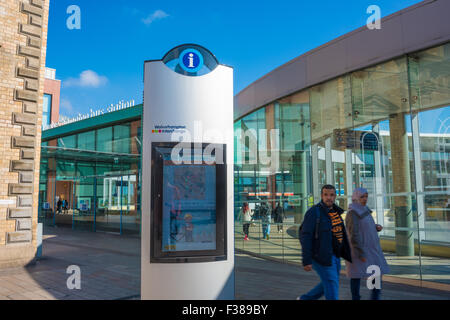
<point x="384" y="128"/>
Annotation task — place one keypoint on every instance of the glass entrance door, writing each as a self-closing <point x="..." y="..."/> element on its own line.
<point x="84" y="204"/>
<point x="109" y="190"/>
<point x="130" y="210"/>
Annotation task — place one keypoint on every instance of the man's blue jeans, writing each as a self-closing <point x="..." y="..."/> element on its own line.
<point x="329" y="281"/>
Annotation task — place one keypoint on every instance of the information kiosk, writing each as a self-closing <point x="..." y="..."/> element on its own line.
<point x="187" y="177"/>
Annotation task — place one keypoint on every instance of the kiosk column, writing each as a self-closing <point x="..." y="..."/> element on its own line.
<point x="187" y="177"/>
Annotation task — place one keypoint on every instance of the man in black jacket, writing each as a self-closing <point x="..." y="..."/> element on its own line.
<point x="278" y="217"/>
<point x="324" y="241"/>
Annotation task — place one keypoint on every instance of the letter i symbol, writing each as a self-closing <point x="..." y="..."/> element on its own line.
<point x="191" y="60"/>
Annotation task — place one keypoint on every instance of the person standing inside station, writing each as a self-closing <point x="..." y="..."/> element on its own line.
<point x="324" y="241"/>
<point x="64" y="206"/>
<point x="59" y="204"/>
<point x="365" y="245"/>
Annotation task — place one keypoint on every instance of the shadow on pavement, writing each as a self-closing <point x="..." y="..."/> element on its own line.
<point x="109" y="266"/>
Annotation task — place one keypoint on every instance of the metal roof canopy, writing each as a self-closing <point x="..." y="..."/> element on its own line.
<point x="90" y="124"/>
<point x="87" y="155"/>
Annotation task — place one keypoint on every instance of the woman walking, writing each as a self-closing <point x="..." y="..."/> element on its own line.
<point x="364" y="243"/>
<point x="246" y="216"/>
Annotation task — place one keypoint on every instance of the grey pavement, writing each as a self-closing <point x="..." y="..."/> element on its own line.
<point x="109" y="265"/>
<point x="110" y="269"/>
<point x="261" y="279"/>
<point x="435" y="271"/>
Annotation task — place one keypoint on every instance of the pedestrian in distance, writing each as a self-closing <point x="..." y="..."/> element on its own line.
<point x="365" y="245"/>
<point x="59" y="205"/>
<point x="278" y="217"/>
<point x="266" y="217"/>
<point x="324" y="241"/>
<point x="65" y="206"/>
<point x="246" y="215"/>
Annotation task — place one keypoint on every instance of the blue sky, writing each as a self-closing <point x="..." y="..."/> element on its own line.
<point x="102" y="63"/>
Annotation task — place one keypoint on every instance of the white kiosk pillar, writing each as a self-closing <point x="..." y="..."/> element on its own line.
<point x="187" y="249"/>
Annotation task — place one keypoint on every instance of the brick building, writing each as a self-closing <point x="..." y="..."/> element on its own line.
<point x="23" y="40"/>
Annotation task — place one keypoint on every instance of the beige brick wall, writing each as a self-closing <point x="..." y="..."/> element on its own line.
<point x="22" y="49"/>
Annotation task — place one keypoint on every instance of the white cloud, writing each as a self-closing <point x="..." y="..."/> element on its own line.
<point x="87" y="78"/>
<point x="157" y="15"/>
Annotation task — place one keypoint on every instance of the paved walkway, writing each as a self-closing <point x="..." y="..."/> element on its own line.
<point x="285" y="246"/>
<point x="260" y="279"/>
<point x="109" y="264"/>
<point x="110" y="269"/>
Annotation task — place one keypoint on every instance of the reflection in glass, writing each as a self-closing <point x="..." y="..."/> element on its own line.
<point x="384" y="128"/>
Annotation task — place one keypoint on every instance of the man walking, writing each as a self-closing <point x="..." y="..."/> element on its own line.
<point x="278" y="217"/>
<point x="324" y="241"/>
<point x="266" y="218"/>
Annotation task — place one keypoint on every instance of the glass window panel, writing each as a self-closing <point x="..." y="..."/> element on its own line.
<point x="105" y="139"/>
<point x="294" y="186"/>
<point x="47" y="103"/>
<point x="86" y="140"/>
<point x="430" y="102"/>
<point x="47" y="110"/>
<point x="103" y="169"/>
<point x="330" y="107"/>
<point x="122" y="141"/>
<point x="430" y="78"/>
<point x="382" y="158"/>
<point x="65" y="169"/>
<point x="331" y="123"/>
<point x="69" y="142"/>
<point x="85" y="169"/>
<point x="45" y="119"/>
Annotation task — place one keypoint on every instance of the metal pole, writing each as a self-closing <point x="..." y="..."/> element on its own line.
<point x="120" y="200"/>
<point x="54" y="196"/>
<point x="315" y="172"/>
<point x="73" y="203"/>
<point x="329" y="162"/>
<point x="282" y="240"/>
<point x="95" y="204"/>
<point x="259" y="236"/>
<point x="128" y="194"/>
<point x="139" y="198"/>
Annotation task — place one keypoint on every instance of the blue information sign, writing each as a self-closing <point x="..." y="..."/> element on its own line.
<point x="191" y="60"/>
